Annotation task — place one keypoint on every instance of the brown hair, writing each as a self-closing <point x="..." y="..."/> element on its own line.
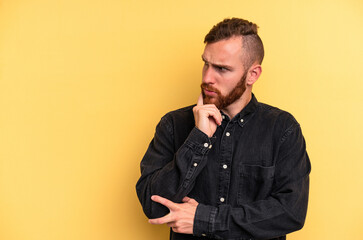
<point x="252" y="45"/>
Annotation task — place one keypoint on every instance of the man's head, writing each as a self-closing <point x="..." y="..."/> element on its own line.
<point x="252" y="47"/>
<point x="232" y="57"/>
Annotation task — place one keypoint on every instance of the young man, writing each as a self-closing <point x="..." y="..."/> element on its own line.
<point x="229" y="167"/>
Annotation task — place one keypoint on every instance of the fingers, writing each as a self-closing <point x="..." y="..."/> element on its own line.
<point x="217" y="117"/>
<point x="209" y="110"/>
<point x="166" y="219"/>
<point x="215" y="114"/>
<point x="186" y="199"/>
<point x="167" y="203"/>
<point x="175" y="227"/>
<point x="171" y="224"/>
<point x="200" y="100"/>
<point x="189" y="200"/>
<point x="181" y="219"/>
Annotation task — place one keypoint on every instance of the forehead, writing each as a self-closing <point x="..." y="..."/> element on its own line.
<point x="227" y="51"/>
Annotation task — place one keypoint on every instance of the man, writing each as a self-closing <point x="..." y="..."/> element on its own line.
<point x="229" y="167"/>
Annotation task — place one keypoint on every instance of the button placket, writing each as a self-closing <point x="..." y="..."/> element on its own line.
<point x="225" y="161"/>
<point x="242" y="121"/>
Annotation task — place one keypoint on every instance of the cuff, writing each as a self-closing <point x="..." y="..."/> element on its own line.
<point x="204" y="220"/>
<point x="199" y="141"/>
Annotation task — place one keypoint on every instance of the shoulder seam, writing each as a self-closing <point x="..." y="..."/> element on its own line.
<point x="288" y="131"/>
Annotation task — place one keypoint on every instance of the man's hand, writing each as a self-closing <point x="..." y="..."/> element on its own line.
<point x="207" y="117"/>
<point x="181" y="215"/>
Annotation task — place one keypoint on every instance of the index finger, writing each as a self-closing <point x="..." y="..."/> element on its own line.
<point x="167" y="203"/>
<point x="200" y="100"/>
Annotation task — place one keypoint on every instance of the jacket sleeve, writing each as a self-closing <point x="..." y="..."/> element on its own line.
<point x="170" y="172"/>
<point x="282" y="212"/>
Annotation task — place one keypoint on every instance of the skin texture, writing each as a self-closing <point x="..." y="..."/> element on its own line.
<point x="207" y="117"/>
<point x="224" y="69"/>
<point x="181" y="215"/>
<point x="223" y="73"/>
<point x="222" y="83"/>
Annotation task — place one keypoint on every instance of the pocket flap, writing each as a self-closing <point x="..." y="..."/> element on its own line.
<point x="258" y="172"/>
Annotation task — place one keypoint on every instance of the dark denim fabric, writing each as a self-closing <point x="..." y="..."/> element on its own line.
<point x="251" y="178"/>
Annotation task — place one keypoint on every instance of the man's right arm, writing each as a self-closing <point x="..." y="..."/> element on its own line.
<point x="167" y="171"/>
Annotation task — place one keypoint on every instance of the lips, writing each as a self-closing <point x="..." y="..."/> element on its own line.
<point x="209" y="92"/>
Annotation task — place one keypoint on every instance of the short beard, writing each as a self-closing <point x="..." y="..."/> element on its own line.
<point x="221" y="101"/>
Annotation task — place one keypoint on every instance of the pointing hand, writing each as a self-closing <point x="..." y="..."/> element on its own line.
<point x="181" y="215"/>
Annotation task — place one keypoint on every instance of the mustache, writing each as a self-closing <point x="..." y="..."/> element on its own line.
<point x="208" y="87"/>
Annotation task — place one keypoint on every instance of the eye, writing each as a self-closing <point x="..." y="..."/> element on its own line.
<point x="221" y="69"/>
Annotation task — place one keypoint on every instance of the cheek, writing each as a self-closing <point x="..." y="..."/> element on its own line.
<point x="227" y="86"/>
<point x="203" y="70"/>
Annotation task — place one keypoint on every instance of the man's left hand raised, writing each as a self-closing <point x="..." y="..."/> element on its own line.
<point x="181" y="215"/>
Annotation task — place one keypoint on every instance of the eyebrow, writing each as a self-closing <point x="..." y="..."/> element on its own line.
<point x="215" y="64"/>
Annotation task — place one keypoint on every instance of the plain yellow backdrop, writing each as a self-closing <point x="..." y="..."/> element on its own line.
<point x="84" y="83"/>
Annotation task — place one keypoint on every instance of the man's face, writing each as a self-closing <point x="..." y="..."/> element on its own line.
<point x="223" y="77"/>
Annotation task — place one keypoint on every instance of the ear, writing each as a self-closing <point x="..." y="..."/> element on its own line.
<point x="253" y="74"/>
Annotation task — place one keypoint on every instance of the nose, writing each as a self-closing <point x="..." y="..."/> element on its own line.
<point x="207" y="75"/>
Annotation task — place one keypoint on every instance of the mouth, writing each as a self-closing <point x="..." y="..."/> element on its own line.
<point x="208" y="92"/>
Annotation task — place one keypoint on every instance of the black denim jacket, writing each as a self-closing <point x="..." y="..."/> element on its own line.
<point x="251" y="178"/>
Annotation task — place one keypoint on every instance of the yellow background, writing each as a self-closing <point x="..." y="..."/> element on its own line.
<point x="83" y="84"/>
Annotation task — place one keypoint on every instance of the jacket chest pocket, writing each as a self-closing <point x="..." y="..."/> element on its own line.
<point x="255" y="183"/>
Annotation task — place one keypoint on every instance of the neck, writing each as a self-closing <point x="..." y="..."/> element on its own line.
<point x="233" y="109"/>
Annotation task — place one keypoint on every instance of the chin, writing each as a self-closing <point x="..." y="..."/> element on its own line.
<point x="208" y="100"/>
